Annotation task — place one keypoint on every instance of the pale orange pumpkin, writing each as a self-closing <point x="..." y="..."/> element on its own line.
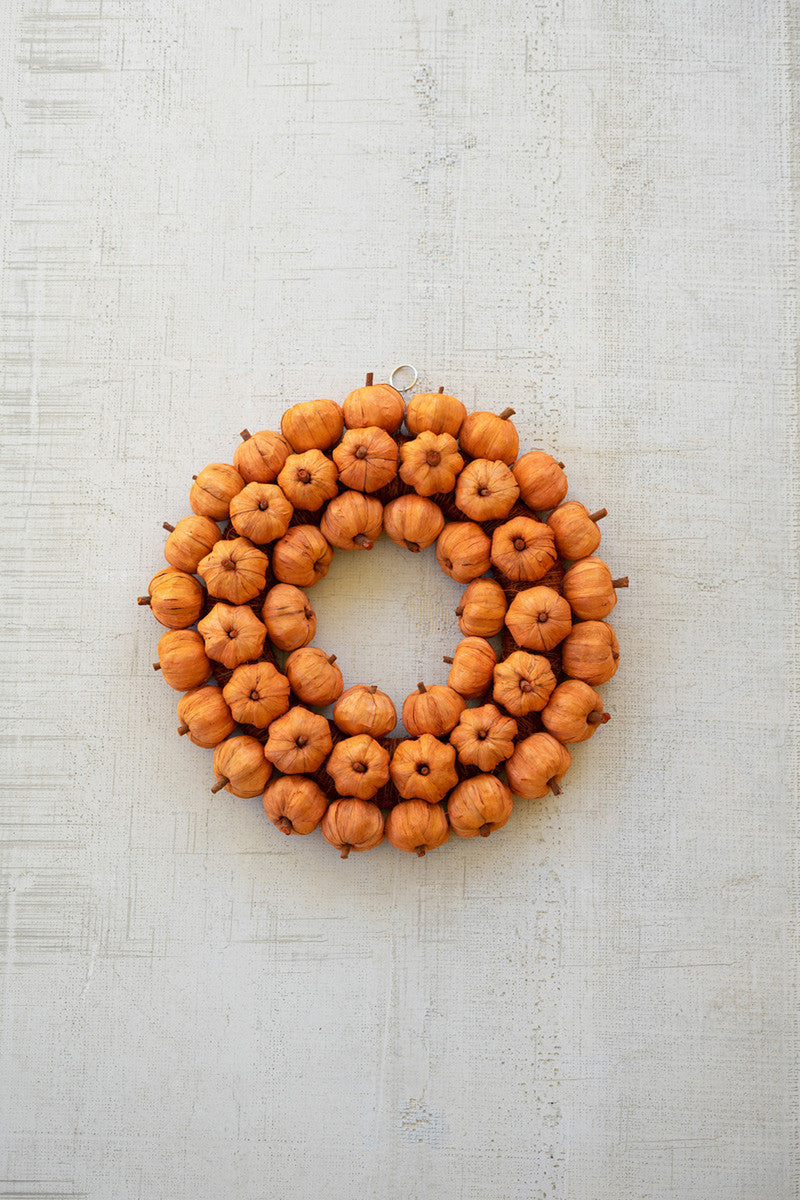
<point x="288" y="616"/>
<point x="574" y="712"/>
<point x="189" y="541"/>
<point x="375" y="404"/>
<point x="462" y="551"/>
<point x="424" y="768"/>
<point x="539" y="618"/>
<point x="235" y="570"/>
<point x="366" y="459"/>
<point x="302" y="556"/>
<point x="299" y="741"/>
<point x="590" y="590"/>
<point x="435" y="412"/>
<point x="308" y="480"/>
<point x="182" y="659"/>
<point x="240" y="767"/>
<point x="363" y="709"/>
<point x="261" y="455"/>
<point x="295" y="804"/>
<point x="486" y="490"/>
<point x="523" y="549"/>
<point x="488" y="435"/>
<point x="484" y="737"/>
<point x="472" y="665"/>
<point x="213" y="489"/>
<point x="261" y="512"/>
<point x="413" y="522"/>
<point x="478" y="806"/>
<point x="432" y="710"/>
<point x="175" y="598"/>
<point x="350" y="824"/>
<point x="312" y="425"/>
<point x="537" y="766"/>
<point x="205" y="716"/>
<point x="430" y="463"/>
<point x="417" y="827"/>
<point x="257" y="693"/>
<point x="358" y="766"/>
<point x="523" y="683"/>
<point x="590" y="652"/>
<point x="232" y="634"/>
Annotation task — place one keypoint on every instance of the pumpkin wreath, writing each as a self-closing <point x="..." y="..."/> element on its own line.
<point x="264" y="530"/>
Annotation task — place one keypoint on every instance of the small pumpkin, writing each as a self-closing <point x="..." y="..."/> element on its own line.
<point x="424" y="768"/>
<point x="539" y="618"/>
<point x="484" y="737"/>
<point x="302" y="556"/>
<point x="352" y="824"/>
<point x="257" y="693"/>
<point x="375" y="404"/>
<point x="260" y="456"/>
<point x="235" y="570"/>
<point x="575" y="529"/>
<point x="363" y="709"/>
<point x="232" y="634"/>
<point x="435" y="412"/>
<point x="295" y="804"/>
<point x="261" y="512"/>
<point x="308" y="480"/>
<point x="366" y="459"/>
<point x="314" y="677"/>
<point x="299" y="741"/>
<point x="432" y="710"/>
<point x="463" y="550"/>
<point x="288" y="616"/>
<point x="478" y="806"/>
<point x="174" y="598"/>
<point x="590" y="590"/>
<point x="537" y="765"/>
<point x="413" y="522"/>
<point x="489" y="435"/>
<point x="189" y="541"/>
<point x="352" y="521"/>
<point x="486" y="490"/>
<point x="182" y="659"/>
<point x="312" y="425"/>
<point x="430" y="463"/>
<point x="574" y="712"/>
<point x="542" y="482"/>
<point x="240" y="767"/>
<point x="213" y="489"/>
<point x="482" y="609"/>
<point x="472" y="667"/>
<point x="417" y="827"/>
<point x="590" y="652"/>
<point x="523" y="683"/>
<point x="358" y="766"/>
<point x="523" y="549"/>
<point x="205" y="716"/>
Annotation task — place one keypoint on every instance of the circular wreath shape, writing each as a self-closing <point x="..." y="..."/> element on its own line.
<point x="239" y="624"/>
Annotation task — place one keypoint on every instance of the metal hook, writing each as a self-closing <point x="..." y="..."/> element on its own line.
<point x="403" y="367"/>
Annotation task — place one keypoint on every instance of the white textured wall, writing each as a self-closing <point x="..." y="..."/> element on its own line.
<point x="580" y="207"/>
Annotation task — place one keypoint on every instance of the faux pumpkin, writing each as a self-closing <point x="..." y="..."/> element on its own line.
<point x="182" y="659"/>
<point x="260" y="456"/>
<point x="299" y="741"/>
<point x="240" y="767"/>
<point x="435" y="412"/>
<point x="312" y="425"/>
<point x="213" y="489"/>
<point x="314" y="677"/>
<point x="538" y="618"/>
<point x="352" y="824"/>
<point x="366" y="459"/>
<point x="523" y="683"/>
<point x="375" y="404"/>
<point x="352" y="521"/>
<point x="472" y="666"/>
<point x="430" y="463"/>
<point x="417" y="827"/>
<point x="488" y="435"/>
<point x="205" y="716"/>
<point x="432" y="710"/>
<point x="308" y="480"/>
<point x="174" y="598"/>
<point x="424" y="768"/>
<point x="482" y="609"/>
<point x="295" y="804"/>
<point x="574" y="712"/>
<point x="257" y="693"/>
<point x="575" y="529"/>
<point x="261" y="512"/>
<point x="358" y="766"/>
<point x="232" y="634"/>
<point x="189" y="541"/>
<point x="288" y="616"/>
<point x="537" y="766"/>
<point x="484" y="737"/>
<point x="462" y="551"/>
<point x="590" y="652"/>
<point x="590" y="590"/>
<point x="363" y="709"/>
<point x="235" y="570"/>
<point x="413" y="522"/>
<point x="478" y="806"/>
<point x="523" y="549"/>
<point x="542" y="482"/>
<point x="301" y="557"/>
<point x="486" y="490"/>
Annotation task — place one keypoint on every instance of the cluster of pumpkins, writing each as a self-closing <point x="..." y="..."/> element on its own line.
<point x="264" y="529"/>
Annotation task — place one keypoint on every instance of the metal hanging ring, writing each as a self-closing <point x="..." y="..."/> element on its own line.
<point x="403" y="367"/>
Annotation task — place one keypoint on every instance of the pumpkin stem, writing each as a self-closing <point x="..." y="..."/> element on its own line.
<point x="422" y="689"/>
<point x="598" y="718"/>
<point x="441" y="390"/>
<point x="373" y="687"/>
<point x="182" y="729"/>
<point x="194" y="477"/>
<point x="460" y="610"/>
<point x="553" y="785"/>
<point x="361" y="539"/>
<point x="485" y="830"/>
<point x="413" y="547"/>
<point x="156" y="666"/>
<point x="419" y="851"/>
<point x="506" y="413"/>
<point x="245" y="435"/>
<point x="598" y="516"/>
<point x="562" y="465"/>
<point x="331" y="658"/>
<point x="169" y="528"/>
<point x="362" y="452"/>
<point x="369" y="379"/>
<point x="223" y="782"/>
<point x="346" y="848"/>
<point x="143" y="600"/>
<point x="285" y="825"/>
<point x="446" y="658"/>
<point x="620" y="583"/>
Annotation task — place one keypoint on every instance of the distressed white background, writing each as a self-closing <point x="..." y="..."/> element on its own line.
<point x="580" y="207"/>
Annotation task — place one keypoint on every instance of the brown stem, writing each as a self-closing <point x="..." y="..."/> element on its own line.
<point x="562" y="465"/>
<point x="169" y="528"/>
<point x="331" y="658"/>
<point x="361" y="452"/>
<point x="597" y="718"/>
<point x="413" y="547"/>
<point x="143" y="600"/>
<point x="506" y="413"/>
<point x="346" y="848"/>
<point x="422" y="688"/>
<point x="441" y="390"/>
<point x="553" y="785"/>
<point x="419" y="851"/>
<point x="285" y="825"/>
<point x="446" y="658"/>
<point x="485" y="830"/>
<point x="460" y="610"/>
<point x="361" y="539"/>
<point x="598" y="516"/>
<point x="245" y="435"/>
<point x="304" y="475"/>
<point x="182" y="729"/>
<point x="373" y="687"/>
<point x="369" y="379"/>
<point x="156" y="666"/>
<point x="194" y="477"/>
<point x="620" y="583"/>
<point x="219" y="785"/>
